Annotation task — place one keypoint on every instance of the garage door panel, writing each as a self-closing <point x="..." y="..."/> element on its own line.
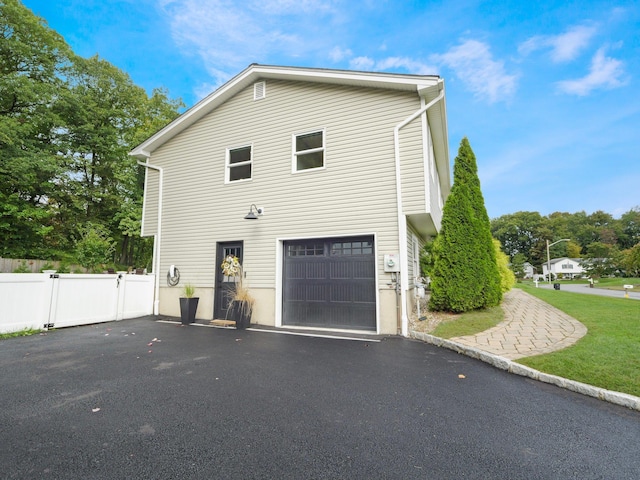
<point x="316" y="293"/>
<point x="341" y="293"/>
<point x="295" y="271"/>
<point x="341" y="270"/>
<point x="330" y="283"/>
<point x="364" y="270"/>
<point x="316" y="270"/>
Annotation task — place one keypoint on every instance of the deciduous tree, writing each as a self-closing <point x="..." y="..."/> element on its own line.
<point x="31" y="59"/>
<point x="66" y="127"/>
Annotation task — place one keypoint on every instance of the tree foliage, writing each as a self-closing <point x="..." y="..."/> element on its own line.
<point x="95" y="247"/>
<point x="426" y="259"/>
<point x="507" y="276"/>
<point x="517" y="264"/>
<point x="631" y="261"/>
<point x="526" y="233"/>
<point x="31" y="58"/>
<point x="66" y="126"/>
<point x="465" y="273"/>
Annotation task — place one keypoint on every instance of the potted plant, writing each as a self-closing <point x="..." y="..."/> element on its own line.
<point x="188" y="305"/>
<point x="240" y="300"/>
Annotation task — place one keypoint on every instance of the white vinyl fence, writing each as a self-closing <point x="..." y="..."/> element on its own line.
<point x="44" y="300"/>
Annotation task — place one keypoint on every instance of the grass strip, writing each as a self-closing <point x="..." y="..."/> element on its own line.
<point x="469" y="323"/>
<point x="20" y="333"/>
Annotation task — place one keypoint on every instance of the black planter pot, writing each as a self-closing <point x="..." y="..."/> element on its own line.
<point x="188" y="308"/>
<point x="239" y="312"/>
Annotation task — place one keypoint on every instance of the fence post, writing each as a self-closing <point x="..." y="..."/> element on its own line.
<point x="122" y="289"/>
<point x="53" y="283"/>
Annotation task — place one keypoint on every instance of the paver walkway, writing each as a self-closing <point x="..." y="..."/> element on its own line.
<point x="531" y="327"/>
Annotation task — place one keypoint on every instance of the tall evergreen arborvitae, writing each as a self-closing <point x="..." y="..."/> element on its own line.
<point x="465" y="275"/>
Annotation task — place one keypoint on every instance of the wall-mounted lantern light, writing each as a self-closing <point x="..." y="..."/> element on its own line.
<point x="254" y="215"/>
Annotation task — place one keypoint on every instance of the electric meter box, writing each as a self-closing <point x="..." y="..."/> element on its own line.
<point x="392" y="262"/>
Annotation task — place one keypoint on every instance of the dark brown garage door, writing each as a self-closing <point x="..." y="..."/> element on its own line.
<point x="330" y="283"/>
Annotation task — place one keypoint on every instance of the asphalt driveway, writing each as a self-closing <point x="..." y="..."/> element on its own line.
<point x="147" y="400"/>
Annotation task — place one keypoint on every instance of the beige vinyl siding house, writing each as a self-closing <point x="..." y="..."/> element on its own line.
<point x="316" y="150"/>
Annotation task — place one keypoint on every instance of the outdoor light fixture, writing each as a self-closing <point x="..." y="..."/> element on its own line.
<point x="254" y="215"/>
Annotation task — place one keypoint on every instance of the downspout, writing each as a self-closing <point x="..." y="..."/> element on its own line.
<point x="156" y="239"/>
<point x="402" y="222"/>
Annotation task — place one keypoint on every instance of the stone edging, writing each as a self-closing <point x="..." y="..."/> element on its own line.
<point x="623" y="399"/>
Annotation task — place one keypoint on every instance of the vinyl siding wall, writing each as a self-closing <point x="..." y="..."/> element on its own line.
<point x="432" y="180"/>
<point x="412" y="168"/>
<point x="150" y="203"/>
<point x="353" y="194"/>
<point x="413" y="237"/>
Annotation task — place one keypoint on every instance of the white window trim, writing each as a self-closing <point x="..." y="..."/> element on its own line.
<point x="228" y="166"/>
<point x="294" y="153"/>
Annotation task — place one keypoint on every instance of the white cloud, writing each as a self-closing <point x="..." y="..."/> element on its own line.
<point x="228" y="36"/>
<point x="362" y="63"/>
<point x="286" y="7"/>
<point x="605" y="72"/>
<point x="473" y="63"/>
<point x="205" y="89"/>
<point x="564" y="47"/>
<point x="408" y="64"/>
<point x="392" y="63"/>
<point x="338" y="54"/>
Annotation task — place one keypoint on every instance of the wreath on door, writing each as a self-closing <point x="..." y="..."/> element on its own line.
<point x="231" y="266"/>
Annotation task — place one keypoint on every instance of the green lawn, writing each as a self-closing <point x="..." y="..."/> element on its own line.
<point x="618" y="283"/>
<point x="470" y="323"/>
<point x="608" y="356"/>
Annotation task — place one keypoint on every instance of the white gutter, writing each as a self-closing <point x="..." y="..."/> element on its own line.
<point x="156" y="238"/>
<point x="402" y="222"/>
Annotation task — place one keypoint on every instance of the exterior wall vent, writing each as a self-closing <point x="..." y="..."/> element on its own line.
<point x="259" y="90"/>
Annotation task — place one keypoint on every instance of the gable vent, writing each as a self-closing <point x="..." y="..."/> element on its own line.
<point x="259" y="90"/>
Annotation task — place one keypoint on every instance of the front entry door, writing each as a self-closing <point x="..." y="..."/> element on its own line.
<point x="224" y="284"/>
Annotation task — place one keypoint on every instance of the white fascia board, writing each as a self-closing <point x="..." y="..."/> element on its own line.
<point x="141" y="154"/>
<point x="349" y="77"/>
<point x="440" y="135"/>
<point x="255" y="72"/>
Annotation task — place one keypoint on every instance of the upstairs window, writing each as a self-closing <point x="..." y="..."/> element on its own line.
<point x="239" y="163"/>
<point x="308" y="151"/>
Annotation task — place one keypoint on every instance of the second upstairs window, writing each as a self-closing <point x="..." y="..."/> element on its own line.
<point x="239" y="163"/>
<point x="308" y="151"/>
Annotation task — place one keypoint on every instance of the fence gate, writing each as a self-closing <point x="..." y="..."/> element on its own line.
<point x="64" y="300"/>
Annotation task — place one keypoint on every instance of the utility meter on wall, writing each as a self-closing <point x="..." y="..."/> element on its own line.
<point x="392" y="262"/>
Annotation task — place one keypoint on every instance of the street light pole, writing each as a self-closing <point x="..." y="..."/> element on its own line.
<point x="549" y="258"/>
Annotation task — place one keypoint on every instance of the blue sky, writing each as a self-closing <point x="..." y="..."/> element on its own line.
<point x="547" y="91"/>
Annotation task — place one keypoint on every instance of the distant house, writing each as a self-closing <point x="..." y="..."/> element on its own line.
<point x="528" y="269"/>
<point x="346" y="172"/>
<point x="567" y="267"/>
